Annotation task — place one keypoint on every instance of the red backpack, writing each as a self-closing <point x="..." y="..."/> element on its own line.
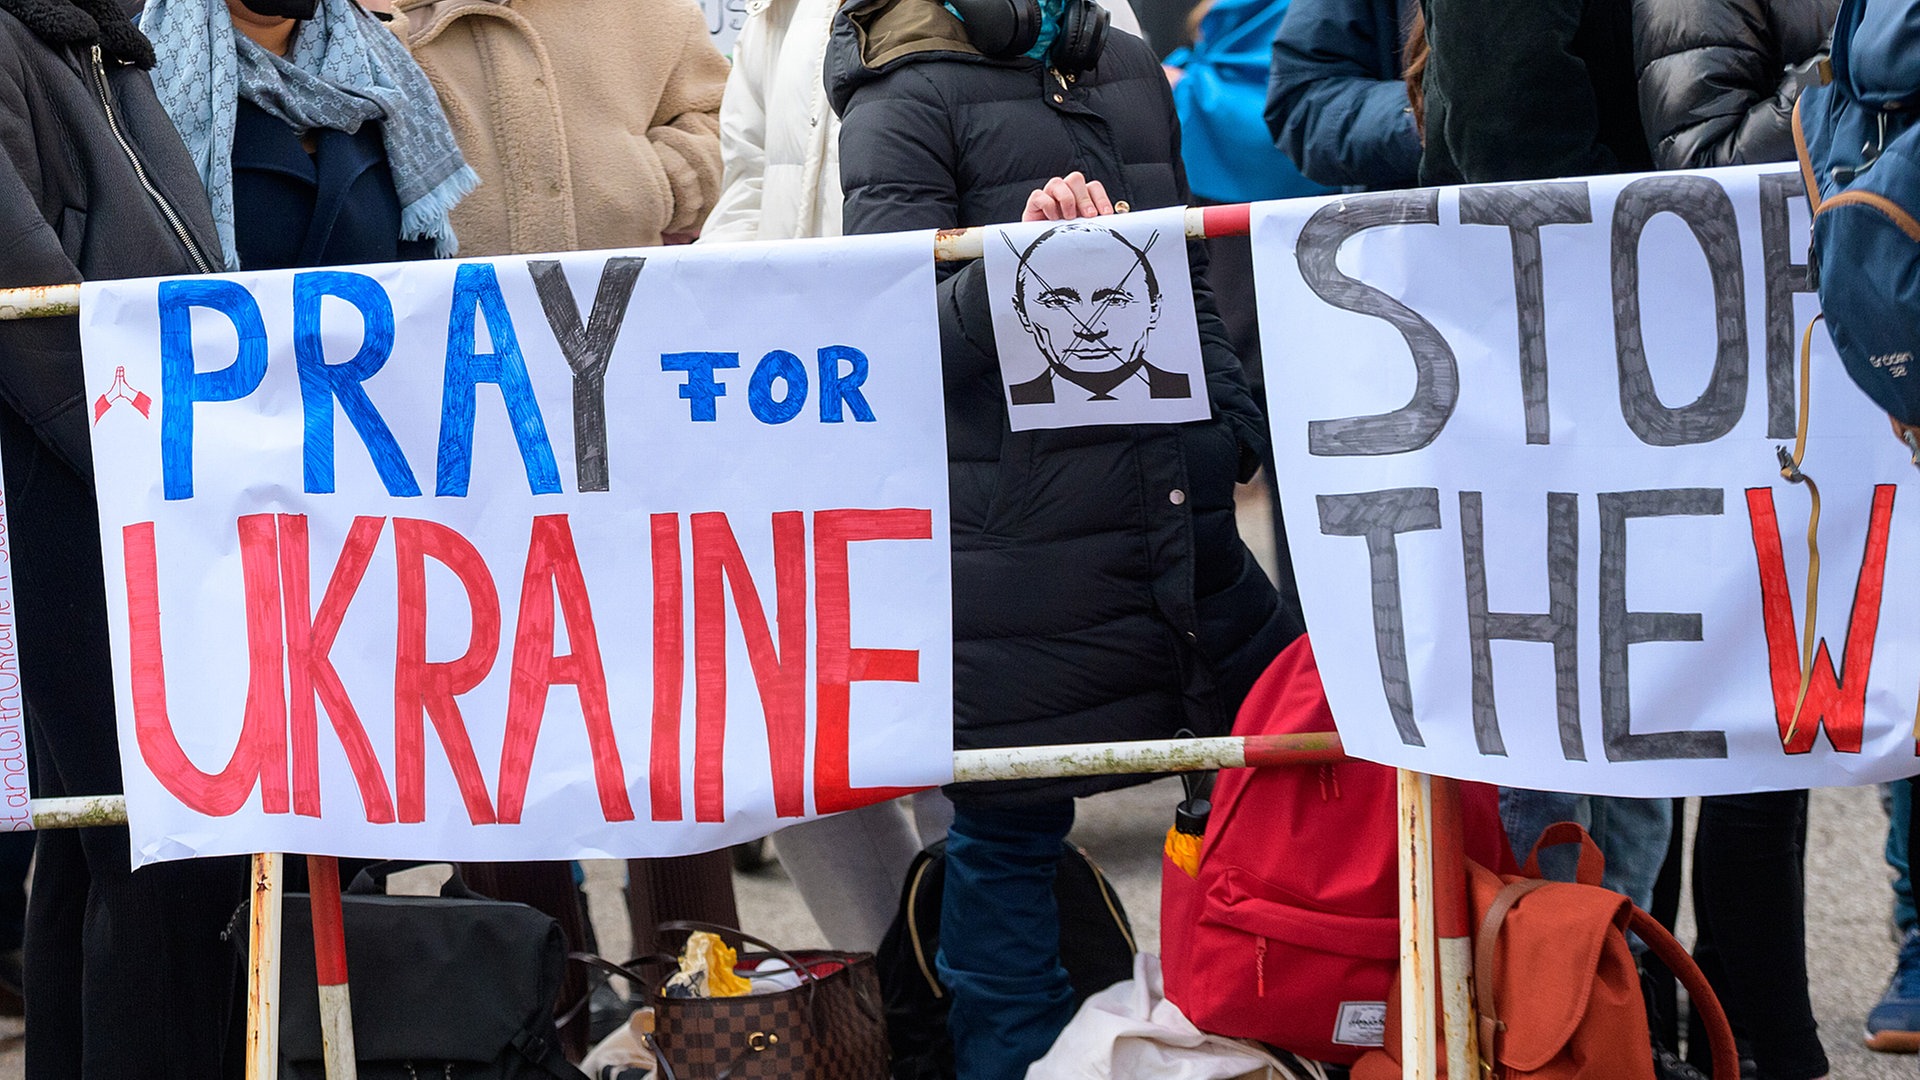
<point x="1290" y="932"/>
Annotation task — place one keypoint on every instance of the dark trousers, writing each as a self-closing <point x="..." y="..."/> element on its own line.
<point x="1000" y="937"/>
<point x="16" y="855"/>
<point x="1749" y="898"/>
<point x="126" y="973"/>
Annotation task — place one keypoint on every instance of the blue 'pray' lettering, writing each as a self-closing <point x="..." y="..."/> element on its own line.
<point x="476" y="295"/>
<point x="182" y="388"/>
<point x="322" y="383"/>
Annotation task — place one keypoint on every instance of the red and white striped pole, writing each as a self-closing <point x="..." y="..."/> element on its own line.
<point x="330" y="959"/>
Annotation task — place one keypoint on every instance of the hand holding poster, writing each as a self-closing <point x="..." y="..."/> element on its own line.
<point x="1526" y="440"/>
<point x="626" y="554"/>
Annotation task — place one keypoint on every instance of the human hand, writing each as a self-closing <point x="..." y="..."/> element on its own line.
<point x="1068" y="197"/>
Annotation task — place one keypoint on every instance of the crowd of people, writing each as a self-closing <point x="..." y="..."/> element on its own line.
<point x="199" y="136"/>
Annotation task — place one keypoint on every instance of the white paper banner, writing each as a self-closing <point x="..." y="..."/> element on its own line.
<point x="603" y="554"/>
<point x="1094" y="321"/>
<point x="1526" y="442"/>
<point x="16" y="799"/>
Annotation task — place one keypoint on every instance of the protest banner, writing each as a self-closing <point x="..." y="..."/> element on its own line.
<point x="16" y="799"/>
<point x="1526" y="441"/>
<point x="603" y="554"/>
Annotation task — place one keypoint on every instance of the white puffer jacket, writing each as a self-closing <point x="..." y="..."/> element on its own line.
<point x="779" y="138"/>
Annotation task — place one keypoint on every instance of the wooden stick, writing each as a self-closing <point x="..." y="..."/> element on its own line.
<point x="330" y="961"/>
<point x="1418" y="1054"/>
<point x="263" y="970"/>
<point x="1453" y="926"/>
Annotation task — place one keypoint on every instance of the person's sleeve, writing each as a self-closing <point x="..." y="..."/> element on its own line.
<point x="743" y="138"/>
<point x="40" y="378"/>
<point x="1712" y="89"/>
<point x="1518" y="103"/>
<point x="1342" y="122"/>
<point x="685" y="132"/>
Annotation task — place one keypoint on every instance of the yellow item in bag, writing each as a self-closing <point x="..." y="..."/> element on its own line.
<point x="1184" y="850"/>
<point x="706" y="969"/>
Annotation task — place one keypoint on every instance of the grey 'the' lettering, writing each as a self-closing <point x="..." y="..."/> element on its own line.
<point x="1380" y="516"/>
<point x="1559" y="626"/>
<point x="1620" y="628"/>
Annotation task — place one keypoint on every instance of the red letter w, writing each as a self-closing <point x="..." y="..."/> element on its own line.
<point x="1836" y="700"/>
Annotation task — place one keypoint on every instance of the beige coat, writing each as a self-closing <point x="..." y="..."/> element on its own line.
<point x="592" y="123"/>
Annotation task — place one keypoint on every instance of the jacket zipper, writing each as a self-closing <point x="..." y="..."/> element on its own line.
<point x="166" y="209"/>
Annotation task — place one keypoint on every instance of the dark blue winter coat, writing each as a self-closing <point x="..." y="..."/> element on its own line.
<point x="1336" y="104"/>
<point x="335" y="206"/>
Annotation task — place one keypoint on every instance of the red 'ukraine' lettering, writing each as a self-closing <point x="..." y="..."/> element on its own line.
<point x="310" y="668"/>
<point x="260" y="755"/>
<point x="669" y="669"/>
<point x="841" y="664"/>
<point x="1836" y="701"/>
<point x="781" y="676"/>
<point x="554" y="564"/>
<point x="432" y="687"/>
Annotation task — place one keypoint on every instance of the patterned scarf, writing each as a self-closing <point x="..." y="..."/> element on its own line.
<point x="342" y="69"/>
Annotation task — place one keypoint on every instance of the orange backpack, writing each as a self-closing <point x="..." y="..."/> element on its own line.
<point x="1555" y="982"/>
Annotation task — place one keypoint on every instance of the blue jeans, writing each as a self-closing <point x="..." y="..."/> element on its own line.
<point x="1000" y="938"/>
<point x="1899" y="799"/>
<point x="1632" y="834"/>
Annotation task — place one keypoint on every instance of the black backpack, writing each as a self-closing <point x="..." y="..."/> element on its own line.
<point x="1096" y="948"/>
<point x="455" y="985"/>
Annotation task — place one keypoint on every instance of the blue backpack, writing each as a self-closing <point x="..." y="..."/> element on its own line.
<point x="1858" y="138"/>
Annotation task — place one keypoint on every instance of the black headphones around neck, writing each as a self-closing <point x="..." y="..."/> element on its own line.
<point x="1004" y="29"/>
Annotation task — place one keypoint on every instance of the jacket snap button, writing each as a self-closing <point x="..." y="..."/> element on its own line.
<point x="1121" y="207"/>
<point x="1176" y="496"/>
<point x="1057" y="99"/>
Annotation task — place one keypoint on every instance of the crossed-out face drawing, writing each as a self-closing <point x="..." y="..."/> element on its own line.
<point x="1089" y="308"/>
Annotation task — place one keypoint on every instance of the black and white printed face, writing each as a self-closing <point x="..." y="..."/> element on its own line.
<point x="1089" y="309"/>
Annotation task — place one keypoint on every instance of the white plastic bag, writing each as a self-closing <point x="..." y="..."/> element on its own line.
<point x="1130" y="1031"/>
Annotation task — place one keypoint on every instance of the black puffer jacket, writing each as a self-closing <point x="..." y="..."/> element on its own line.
<point x="1101" y="591"/>
<point x="1718" y="78"/>
<point x="71" y="206"/>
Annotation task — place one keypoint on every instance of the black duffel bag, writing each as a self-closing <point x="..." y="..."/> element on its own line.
<point x="448" y="987"/>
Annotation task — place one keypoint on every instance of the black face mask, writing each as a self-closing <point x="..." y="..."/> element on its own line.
<point x="283" y="9"/>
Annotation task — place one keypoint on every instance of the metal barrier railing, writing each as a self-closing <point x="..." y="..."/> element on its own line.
<point x="1429" y="812"/>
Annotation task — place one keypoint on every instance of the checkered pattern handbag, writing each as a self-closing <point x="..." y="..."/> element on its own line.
<point x="830" y="1027"/>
